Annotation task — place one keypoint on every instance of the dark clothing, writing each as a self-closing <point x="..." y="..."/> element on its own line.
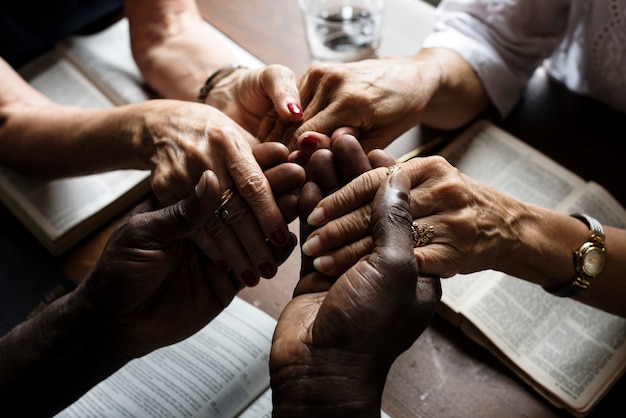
<point x="30" y="27"/>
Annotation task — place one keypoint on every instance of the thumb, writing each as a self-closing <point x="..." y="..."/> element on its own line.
<point x="183" y="218"/>
<point x="391" y="220"/>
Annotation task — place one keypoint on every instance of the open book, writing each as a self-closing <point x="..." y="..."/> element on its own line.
<point x="222" y="371"/>
<point x="95" y="71"/>
<point x="569" y="352"/>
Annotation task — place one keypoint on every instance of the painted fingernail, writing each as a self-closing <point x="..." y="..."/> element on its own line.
<point x="279" y="237"/>
<point x="309" y="144"/>
<point x="223" y="265"/>
<point x="267" y="270"/>
<point x="312" y="246"/>
<point x="294" y="108"/>
<point x="324" y="263"/>
<point x="249" y="278"/>
<point x="316" y="218"/>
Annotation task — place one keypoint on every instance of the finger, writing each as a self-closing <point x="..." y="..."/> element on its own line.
<point x="280" y="85"/>
<point x="350" y="159"/>
<point x="240" y="229"/>
<point x="285" y="178"/>
<point x="311" y="194"/>
<point x="256" y="190"/>
<point x="180" y="220"/>
<point x="379" y="158"/>
<point x="323" y="171"/>
<point x="392" y="219"/>
<point x="270" y="154"/>
<point x="346" y="130"/>
<point x="288" y="204"/>
<point x="336" y="263"/>
<point x="338" y="233"/>
<point x="358" y="193"/>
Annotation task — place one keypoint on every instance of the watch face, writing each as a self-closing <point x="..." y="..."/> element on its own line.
<point x="593" y="261"/>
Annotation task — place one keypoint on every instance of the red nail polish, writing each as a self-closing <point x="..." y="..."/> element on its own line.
<point x="279" y="237"/>
<point x="267" y="270"/>
<point x="294" y="108"/>
<point x="249" y="278"/>
<point x="309" y="144"/>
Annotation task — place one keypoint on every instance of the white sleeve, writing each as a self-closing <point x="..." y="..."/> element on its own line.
<point x="504" y="41"/>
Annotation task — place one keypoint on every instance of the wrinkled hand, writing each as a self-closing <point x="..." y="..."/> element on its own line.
<point x="381" y="98"/>
<point x="258" y="98"/>
<point x="332" y="349"/>
<point x="469" y="235"/>
<point x="180" y="140"/>
<point x="153" y="286"/>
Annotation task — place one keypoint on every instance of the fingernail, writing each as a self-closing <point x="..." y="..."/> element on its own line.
<point x="249" y="278"/>
<point x="309" y="144"/>
<point x="324" y="263"/>
<point x="312" y="246"/>
<point x="316" y="218"/>
<point x="395" y="180"/>
<point x="294" y="108"/>
<point x="201" y="187"/>
<point x="279" y="237"/>
<point x="267" y="270"/>
<point x="223" y="265"/>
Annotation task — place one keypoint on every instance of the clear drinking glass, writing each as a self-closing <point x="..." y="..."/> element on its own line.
<point x="342" y="30"/>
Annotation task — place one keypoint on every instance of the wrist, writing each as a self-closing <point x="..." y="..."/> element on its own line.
<point x="346" y="387"/>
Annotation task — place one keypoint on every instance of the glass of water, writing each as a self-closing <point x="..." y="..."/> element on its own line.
<point x="342" y="30"/>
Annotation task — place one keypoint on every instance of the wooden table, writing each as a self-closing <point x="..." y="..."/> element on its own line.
<point x="444" y="374"/>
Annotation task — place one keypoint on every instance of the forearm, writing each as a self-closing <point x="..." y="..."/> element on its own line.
<point x="459" y="95"/>
<point x="52" y="359"/>
<point x="544" y="249"/>
<point x="46" y="140"/>
<point x="174" y="47"/>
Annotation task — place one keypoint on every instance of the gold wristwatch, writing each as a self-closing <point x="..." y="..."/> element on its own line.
<point x="589" y="259"/>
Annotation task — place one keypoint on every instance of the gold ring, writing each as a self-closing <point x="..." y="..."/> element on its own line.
<point x="421" y="234"/>
<point x="221" y="211"/>
<point x="393" y="168"/>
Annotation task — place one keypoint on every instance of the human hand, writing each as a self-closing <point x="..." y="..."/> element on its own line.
<point x="153" y="286"/>
<point x="469" y="221"/>
<point x="332" y="348"/>
<point x="380" y="98"/>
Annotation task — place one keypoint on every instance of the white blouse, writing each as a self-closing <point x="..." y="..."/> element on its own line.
<point x="581" y="43"/>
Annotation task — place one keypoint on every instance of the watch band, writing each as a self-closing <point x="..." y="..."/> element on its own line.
<point x="582" y="279"/>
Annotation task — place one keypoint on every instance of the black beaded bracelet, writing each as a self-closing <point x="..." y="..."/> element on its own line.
<point x="215" y="78"/>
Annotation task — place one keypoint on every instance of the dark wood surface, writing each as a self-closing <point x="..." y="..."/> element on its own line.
<point x="444" y="374"/>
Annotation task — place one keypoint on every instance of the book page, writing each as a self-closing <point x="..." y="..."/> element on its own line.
<point x="573" y="350"/>
<point x="106" y="58"/>
<point x="494" y="157"/>
<point x="215" y="373"/>
<point x="568" y="351"/>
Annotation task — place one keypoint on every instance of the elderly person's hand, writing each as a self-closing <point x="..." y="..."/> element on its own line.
<point x="179" y="140"/>
<point x="380" y="98"/>
<point x="152" y="287"/>
<point x="463" y="240"/>
<point x="176" y="51"/>
<point x="333" y="346"/>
